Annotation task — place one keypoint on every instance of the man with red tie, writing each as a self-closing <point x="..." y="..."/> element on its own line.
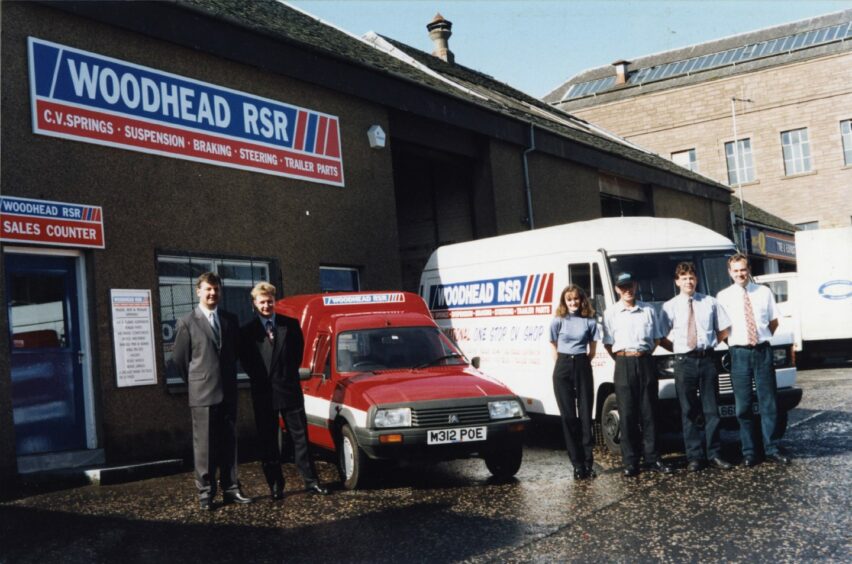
<point x="271" y="348"/>
<point x="754" y="319"/>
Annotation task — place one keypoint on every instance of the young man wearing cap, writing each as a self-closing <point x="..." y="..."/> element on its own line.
<point x="631" y="333"/>
<point x="694" y="323"/>
<point x="754" y="319"/>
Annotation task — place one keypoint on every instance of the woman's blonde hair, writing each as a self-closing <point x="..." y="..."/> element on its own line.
<point x="585" y="310"/>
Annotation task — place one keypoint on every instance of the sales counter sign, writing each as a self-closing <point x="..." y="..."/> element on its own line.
<point x="43" y="222"/>
<point x="88" y="97"/>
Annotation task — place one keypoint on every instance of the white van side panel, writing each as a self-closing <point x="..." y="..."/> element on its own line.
<point x="502" y="312"/>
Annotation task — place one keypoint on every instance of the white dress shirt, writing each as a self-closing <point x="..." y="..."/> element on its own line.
<point x="762" y="304"/>
<point x="709" y="318"/>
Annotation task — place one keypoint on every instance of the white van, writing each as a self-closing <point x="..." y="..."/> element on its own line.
<point x="816" y="301"/>
<point x="496" y="298"/>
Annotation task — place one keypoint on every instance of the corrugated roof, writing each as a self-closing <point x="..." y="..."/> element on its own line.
<point x="745" y="52"/>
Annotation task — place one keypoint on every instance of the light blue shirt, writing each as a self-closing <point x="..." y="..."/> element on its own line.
<point x="710" y="317"/>
<point x="263" y="320"/>
<point x="572" y="333"/>
<point x="633" y="329"/>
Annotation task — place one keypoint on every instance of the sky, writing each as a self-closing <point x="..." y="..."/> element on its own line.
<point x="535" y="45"/>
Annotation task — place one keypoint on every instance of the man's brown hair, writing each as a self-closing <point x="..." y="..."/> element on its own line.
<point x="211" y="278"/>
<point x="737" y="258"/>
<point x="685" y="268"/>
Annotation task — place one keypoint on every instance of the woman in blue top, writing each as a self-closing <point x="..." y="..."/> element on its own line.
<point x="573" y="334"/>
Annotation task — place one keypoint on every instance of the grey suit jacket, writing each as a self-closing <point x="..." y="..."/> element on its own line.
<point x="210" y="372"/>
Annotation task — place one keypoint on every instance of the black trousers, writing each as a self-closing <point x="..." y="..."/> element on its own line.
<point x="695" y="381"/>
<point x="214" y="446"/>
<point x="573" y="387"/>
<point x="636" y="394"/>
<point x="270" y="438"/>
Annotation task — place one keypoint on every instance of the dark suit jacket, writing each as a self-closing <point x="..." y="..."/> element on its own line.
<point x="274" y="367"/>
<point x="210" y="372"/>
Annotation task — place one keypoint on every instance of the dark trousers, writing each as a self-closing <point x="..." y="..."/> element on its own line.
<point x="572" y="385"/>
<point x="270" y="438"/>
<point x="214" y="445"/>
<point x="636" y="395"/>
<point x="747" y="365"/>
<point x="695" y="381"/>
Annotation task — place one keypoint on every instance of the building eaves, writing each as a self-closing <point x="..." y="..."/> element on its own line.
<point x="761" y="217"/>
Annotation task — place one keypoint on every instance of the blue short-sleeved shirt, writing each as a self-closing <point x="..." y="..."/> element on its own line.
<point x="710" y="317"/>
<point x="633" y="328"/>
<point x="572" y="333"/>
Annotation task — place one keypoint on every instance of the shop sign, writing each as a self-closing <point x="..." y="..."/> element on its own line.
<point x="43" y="222"/>
<point x="88" y="97"/>
<point x="771" y="244"/>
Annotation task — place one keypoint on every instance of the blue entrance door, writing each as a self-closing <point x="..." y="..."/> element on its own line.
<point x="44" y="332"/>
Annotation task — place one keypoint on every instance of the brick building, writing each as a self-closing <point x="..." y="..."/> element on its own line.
<point x="784" y="93"/>
<point x="146" y="142"/>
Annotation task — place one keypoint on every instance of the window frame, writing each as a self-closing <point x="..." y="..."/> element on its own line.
<point x="692" y="159"/>
<point x="846" y="141"/>
<point x="796" y="151"/>
<point x="351" y="269"/>
<point x="743" y="148"/>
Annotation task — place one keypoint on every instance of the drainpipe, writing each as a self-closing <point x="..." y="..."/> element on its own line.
<point x="527" y="189"/>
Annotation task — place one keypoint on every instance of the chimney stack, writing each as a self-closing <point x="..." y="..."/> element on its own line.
<point x="620" y="72"/>
<point x="440" y="31"/>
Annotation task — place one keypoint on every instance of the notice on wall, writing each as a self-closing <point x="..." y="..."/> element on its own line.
<point x="133" y="338"/>
<point x="92" y="98"/>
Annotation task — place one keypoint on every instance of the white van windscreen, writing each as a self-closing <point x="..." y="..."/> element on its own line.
<point x="655" y="273"/>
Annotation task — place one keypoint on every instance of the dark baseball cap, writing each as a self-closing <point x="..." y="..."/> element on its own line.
<point x="624" y="279"/>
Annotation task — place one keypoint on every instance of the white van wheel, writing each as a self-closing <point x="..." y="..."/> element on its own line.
<point x="611" y="425"/>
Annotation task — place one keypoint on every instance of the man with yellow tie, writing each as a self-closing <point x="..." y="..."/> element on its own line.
<point x="754" y="319"/>
<point x="693" y="324"/>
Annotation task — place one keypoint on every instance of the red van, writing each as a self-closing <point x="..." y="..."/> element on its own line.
<point x="382" y="382"/>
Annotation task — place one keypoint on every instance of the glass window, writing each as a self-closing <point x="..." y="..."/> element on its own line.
<point x="339" y="279"/>
<point x="808" y="225"/>
<point x="846" y="136"/>
<point x="797" y="151"/>
<point x="177" y="277"/>
<point x="687" y="159"/>
<point x="393" y="348"/>
<point x="37" y="315"/>
<point x="740" y="163"/>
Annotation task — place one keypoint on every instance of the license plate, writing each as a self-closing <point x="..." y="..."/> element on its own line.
<point x="457" y="435"/>
<point x="731" y="410"/>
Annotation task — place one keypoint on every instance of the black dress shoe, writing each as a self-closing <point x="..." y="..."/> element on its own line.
<point x="590" y="471"/>
<point x="721" y="463"/>
<point x="236" y="497"/>
<point x="316" y="489"/>
<point x="777" y="458"/>
<point x="205" y="505"/>
<point x="749" y="461"/>
<point x="277" y="493"/>
<point x="695" y="466"/>
<point x="631" y="470"/>
<point x="660" y="466"/>
<point x="580" y="473"/>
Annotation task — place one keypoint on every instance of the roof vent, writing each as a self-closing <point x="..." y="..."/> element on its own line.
<point x="620" y="71"/>
<point x="440" y="31"/>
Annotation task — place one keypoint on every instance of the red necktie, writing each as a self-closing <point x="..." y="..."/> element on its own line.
<point x="751" y="326"/>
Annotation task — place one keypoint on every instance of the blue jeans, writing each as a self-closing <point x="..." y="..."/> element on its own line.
<point x="695" y="380"/>
<point x="755" y="364"/>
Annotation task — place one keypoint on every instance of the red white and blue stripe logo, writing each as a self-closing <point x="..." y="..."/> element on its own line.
<point x="96" y="99"/>
<point x="514" y="295"/>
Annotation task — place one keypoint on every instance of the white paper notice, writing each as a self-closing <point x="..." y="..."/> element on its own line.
<point x="133" y="337"/>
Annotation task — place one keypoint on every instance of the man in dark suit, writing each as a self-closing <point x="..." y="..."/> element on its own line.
<point x="205" y="355"/>
<point x="271" y="349"/>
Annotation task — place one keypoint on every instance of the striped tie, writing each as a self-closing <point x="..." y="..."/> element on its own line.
<point x="691" y="330"/>
<point x="214" y="321"/>
<point x="751" y="326"/>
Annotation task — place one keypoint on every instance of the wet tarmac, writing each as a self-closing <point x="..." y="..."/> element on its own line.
<point x="454" y="512"/>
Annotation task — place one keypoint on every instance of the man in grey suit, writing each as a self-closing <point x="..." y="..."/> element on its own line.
<point x="205" y="355"/>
